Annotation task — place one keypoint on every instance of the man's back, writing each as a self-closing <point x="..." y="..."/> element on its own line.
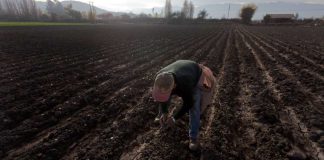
<point x="186" y="74"/>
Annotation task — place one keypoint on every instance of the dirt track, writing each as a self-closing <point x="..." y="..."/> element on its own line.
<point x="84" y="92"/>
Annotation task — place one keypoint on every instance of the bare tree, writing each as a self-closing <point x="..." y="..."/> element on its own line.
<point x="19" y="9"/>
<point x="34" y="10"/>
<point x="16" y="9"/>
<point x="191" y="10"/>
<point x="11" y="9"/>
<point x="168" y="9"/>
<point x="50" y="10"/>
<point x="247" y="12"/>
<point x="185" y="9"/>
<point x="24" y="9"/>
<point x="1" y="9"/>
<point x="59" y="9"/>
<point x="202" y="14"/>
<point x="55" y="9"/>
<point x="73" y="14"/>
<point x="92" y="13"/>
<point x="161" y="14"/>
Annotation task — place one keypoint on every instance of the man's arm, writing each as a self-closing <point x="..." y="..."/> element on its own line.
<point x="187" y="104"/>
<point x="164" y="107"/>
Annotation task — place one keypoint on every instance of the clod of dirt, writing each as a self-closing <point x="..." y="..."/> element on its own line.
<point x="321" y="142"/>
<point x="39" y="155"/>
<point x="296" y="154"/>
<point x="269" y="118"/>
<point x="314" y="136"/>
<point x="317" y="123"/>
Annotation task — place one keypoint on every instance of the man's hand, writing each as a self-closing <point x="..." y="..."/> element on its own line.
<point x="163" y="120"/>
<point x="171" y="122"/>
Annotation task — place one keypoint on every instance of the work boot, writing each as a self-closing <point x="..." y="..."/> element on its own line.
<point x="194" y="144"/>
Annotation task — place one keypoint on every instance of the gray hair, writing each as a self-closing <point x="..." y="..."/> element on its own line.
<point x="164" y="81"/>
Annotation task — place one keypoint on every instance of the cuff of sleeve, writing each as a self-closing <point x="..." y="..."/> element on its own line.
<point x="174" y="120"/>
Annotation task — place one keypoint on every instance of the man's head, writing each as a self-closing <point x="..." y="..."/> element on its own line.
<point x="163" y="85"/>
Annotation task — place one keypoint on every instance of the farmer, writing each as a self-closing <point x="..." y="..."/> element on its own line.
<point x="192" y="82"/>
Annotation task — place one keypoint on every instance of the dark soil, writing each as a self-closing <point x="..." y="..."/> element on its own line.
<point x="84" y="92"/>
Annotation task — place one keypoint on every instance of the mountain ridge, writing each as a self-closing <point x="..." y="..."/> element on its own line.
<point x="76" y="5"/>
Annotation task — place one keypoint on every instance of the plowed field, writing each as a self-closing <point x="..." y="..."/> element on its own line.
<point x="83" y="92"/>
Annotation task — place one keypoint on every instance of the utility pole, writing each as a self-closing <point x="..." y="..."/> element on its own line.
<point x="228" y="12"/>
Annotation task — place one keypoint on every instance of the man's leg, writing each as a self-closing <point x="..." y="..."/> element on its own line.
<point x="206" y="100"/>
<point x="194" y="113"/>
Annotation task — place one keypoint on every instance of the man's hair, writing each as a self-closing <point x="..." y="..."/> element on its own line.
<point x="164" y="80"/>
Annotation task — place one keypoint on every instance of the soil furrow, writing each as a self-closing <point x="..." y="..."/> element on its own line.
<point x="305" y="78"/>
<point x="121" y="135"/>
<point x="153" y="63"/>
<point x="301" y="143"/>
<point x="24" y="112"/>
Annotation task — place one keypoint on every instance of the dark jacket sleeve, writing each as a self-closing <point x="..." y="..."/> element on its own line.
<point x="164" y="107"/>
<point x="187" y="104"/>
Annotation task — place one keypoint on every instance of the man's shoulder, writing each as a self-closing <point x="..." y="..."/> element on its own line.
<point x="186" y="62"/>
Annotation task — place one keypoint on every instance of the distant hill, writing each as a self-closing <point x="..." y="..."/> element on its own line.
<point x="76" y="5"/>
<point x="82" y="7"/>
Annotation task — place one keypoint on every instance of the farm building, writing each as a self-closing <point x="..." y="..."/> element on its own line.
<point x="279" y="18"/>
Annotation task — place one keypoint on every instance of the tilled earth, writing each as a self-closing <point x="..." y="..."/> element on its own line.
<point x="84" y="92"/>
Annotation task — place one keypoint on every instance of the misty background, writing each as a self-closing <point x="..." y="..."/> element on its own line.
<point x="215" y="8"/>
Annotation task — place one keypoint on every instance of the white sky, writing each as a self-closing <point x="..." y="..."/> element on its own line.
<point x="133" y="5"/>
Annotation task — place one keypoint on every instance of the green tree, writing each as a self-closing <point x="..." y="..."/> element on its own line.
<point x="247" y="12"/>
<point x="202" y="14"/>
<point x="266" y="19"/>
<point x="176" y="15"/>
<point x="296" y="16"/>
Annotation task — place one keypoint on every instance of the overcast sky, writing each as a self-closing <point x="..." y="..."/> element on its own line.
<point x="134" y="5"/>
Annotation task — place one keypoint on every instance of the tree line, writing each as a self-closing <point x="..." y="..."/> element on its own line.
<point x="187" y="11"/>
<point x="19" y="10"/>
<point x="26" y="10"/>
